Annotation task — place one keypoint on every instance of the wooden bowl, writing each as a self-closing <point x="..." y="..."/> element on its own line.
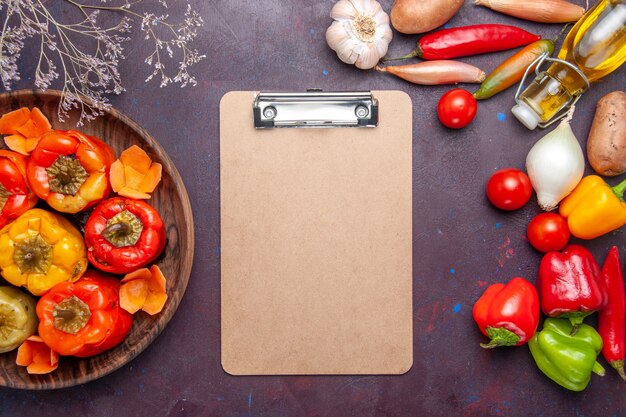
<point x="172" y="202"/>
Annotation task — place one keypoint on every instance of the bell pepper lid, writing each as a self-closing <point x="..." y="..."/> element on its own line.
<point x="527" y="116"/>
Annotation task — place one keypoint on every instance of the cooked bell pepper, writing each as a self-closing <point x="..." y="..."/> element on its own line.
<point x="567" y="360"/>
<point x="508" y="314"/>
<point x="40" y="249"/>
<point x="594" y="208"/>
<point x="15" y="195"/>
<point x="123" y="235"/>
<point x="18" y="319"/>
<point x="570" y="284"/>
<point x="69" y="170"/>
<point x="83" y="318"/>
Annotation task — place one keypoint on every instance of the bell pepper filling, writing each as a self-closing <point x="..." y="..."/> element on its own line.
<point x="33" y="255"/>
<point x="71" y="315"/>
<point x="123" y="229"/>
<point x="66" y="175"/>
<point x="4" y="196"/>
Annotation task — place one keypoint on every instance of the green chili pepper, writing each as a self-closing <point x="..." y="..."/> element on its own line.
<point x="567" y="360"/>
<point x="512" y="70"/>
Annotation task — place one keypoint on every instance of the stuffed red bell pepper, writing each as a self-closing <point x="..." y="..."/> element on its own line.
<point x="15" y="195"/>
<point x="123" y="234"/>
<point x="83" y="318"/>
<point x="69" y="170"/>
<point x="508" y="314"/>
<point x="570" y="284"/>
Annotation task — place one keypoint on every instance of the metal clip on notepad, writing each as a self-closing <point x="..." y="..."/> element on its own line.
<point x="315" y="108"/>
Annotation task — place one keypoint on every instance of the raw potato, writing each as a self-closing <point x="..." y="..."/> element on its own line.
<point x="419" y="16"/>
<point x="606" y="145"/>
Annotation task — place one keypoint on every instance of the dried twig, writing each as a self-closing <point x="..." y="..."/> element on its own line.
<point x="86" y="56"/>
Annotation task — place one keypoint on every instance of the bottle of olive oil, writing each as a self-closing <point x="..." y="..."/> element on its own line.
<point x="594" y="47"/>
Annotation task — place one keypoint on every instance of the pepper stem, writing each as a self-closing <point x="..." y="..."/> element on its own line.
<point x="415" y="53"/>
<point x="558" y="35"/>
<point x="576" y="319"/>
<point x="619" y="189"/>
<point x="500" y="337"/>
<point x="71" y="315"/>
<point x="411" y="54"/>
<point x="123" y="229"/>
<point x="598" y="369"/>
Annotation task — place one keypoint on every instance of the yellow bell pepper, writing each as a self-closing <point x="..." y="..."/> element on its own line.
<point x="40" y="249"/>
<point x="594" y="208"/>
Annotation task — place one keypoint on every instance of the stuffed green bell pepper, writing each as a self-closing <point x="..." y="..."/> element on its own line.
<point x="18" y="319"/>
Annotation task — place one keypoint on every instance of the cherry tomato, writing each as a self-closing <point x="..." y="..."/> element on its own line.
<point x="548" y="232"/>
<point x="509" y="189"/>
<point x="456" y="108"/>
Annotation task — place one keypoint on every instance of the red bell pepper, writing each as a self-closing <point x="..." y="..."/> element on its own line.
<point x="469" y="40"/>
<point x="83" y="318"/>
<point x="123" y="235"/>
<point x="570" y="284"/>
<point x="69" y="170"/>
<point x="508" y="314"/>
<point x="612" y="318"/>
<point x="15" y="195"/>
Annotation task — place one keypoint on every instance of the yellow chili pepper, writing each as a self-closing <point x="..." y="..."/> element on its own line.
<point x="40" y="249"/>
<point x="594" y="208"/>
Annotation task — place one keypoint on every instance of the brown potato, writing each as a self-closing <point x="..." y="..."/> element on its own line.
<point x="419" y="16"/>
<point x="606" y="144"/>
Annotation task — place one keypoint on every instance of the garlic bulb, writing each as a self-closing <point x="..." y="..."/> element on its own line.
<point x="360" y="33"/>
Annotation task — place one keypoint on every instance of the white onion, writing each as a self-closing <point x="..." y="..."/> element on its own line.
<point x="555" y="165"/>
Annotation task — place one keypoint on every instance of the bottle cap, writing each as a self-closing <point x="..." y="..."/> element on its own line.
<point x="526" y="115"/>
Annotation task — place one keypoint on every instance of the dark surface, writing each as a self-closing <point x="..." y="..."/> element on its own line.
<point x="461" y="243"/>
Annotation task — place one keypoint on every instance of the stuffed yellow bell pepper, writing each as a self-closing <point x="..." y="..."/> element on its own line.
<point x="594" y="208"/>
<point x="40" y="249"/>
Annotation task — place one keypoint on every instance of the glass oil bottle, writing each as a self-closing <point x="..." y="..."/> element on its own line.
<point x="594" y="47"/>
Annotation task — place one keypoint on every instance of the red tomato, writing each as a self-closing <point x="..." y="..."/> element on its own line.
<point x="548" y="232"/>
<point x="509" y="189"/>
<point x="456" y="108"/>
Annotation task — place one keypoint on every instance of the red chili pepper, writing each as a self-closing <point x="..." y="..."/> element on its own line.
<point x="612" y="318"/>
<point x="123" y="235"/>
<point x="469" y="40"/>
<point x="15" y="195"/>
<point x="570" y="284"/>
<point x="508" y="314"/>
<point x="83" y="318"/>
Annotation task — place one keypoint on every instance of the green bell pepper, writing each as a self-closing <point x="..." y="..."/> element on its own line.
<point x="567" y="359"/>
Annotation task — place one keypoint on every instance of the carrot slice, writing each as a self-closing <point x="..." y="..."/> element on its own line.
<point x="9" y="122"/>
<point x="133" y="295"/>
<point x="36" y="356"/>
<point x="144" y="289"/>
<point x="28" y="129"/>
<point x="158" y="282"/>
<point x="131" y="193"/>
<point x="141" y="273"/>
<point x="137" y="158"/>
<point x="41" y="121"/>
<point x="117" y="176"/>
<point x="17" y="143"/>
<point x="151" y="179"/>
<point x="134" y="175"/>
<point x="25" y="127"/>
